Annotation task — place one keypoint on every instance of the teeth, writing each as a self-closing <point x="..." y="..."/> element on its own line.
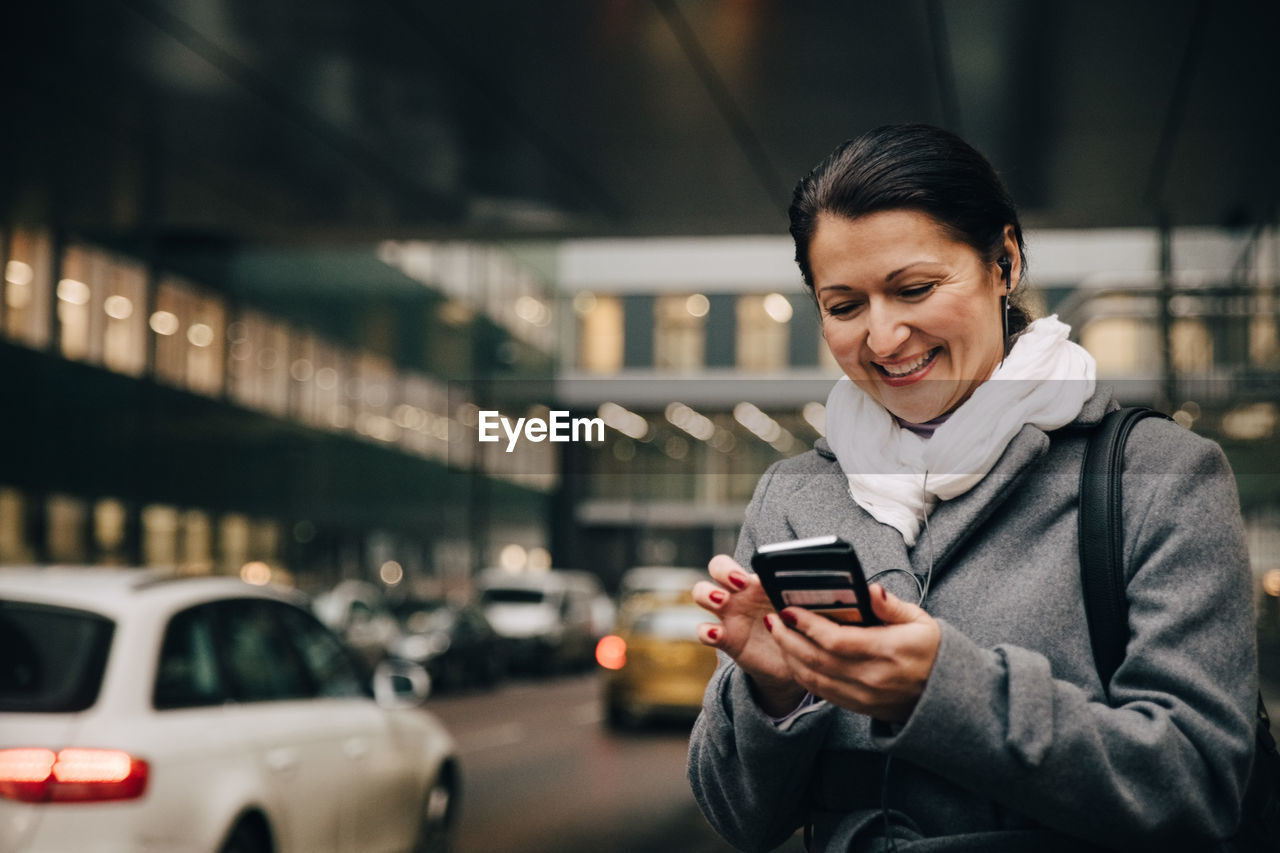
<point x="904" y="369"/>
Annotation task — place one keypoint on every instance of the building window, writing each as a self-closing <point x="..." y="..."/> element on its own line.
<point x="600" y="332"/>
<point x="189" y="337"/>
<point x="1122" y="346"/>
<point x="124" y="309"/>
<point x="27" y="275"/>
<point x="679" y="337"/>
<point x="260" y="365"/>
<point x="763" y="332"/>
<point x="1190" y="346"/>
<point x="79" y="303"/>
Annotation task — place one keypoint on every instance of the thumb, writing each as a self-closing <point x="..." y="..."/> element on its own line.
<point x="891" y="609"/>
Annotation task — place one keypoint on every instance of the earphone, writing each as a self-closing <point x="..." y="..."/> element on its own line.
<point x="1006" y="269"/>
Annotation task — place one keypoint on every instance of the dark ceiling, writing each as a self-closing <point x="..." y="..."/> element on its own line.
<point x="333" y="120"/>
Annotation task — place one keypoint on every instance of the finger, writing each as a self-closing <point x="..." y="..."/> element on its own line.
<point x="709" y="596"/>
<point x="730" y="575"/>
<point x="818" y="629"/>
<point x="710" y="634"/>
<point x="891" y="609"/>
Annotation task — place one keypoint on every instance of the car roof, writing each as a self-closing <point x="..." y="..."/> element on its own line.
<point x="662" y="577"/>
<point x="112" y="591"/>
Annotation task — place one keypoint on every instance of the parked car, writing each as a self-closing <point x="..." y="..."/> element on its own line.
<point x="654" y="665"/>
<point x="454" y="642"/>
<point x="359" y="614"/>
<point x="141" y="711"/>
<point x="544" y="618"/>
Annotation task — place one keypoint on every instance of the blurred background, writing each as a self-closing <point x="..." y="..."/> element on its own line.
<point x="264" y="263"/>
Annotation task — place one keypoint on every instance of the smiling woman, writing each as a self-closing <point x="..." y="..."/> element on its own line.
<point x="973" y="717"/>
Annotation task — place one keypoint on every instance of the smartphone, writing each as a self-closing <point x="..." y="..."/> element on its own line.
<point x="821" y="574"/>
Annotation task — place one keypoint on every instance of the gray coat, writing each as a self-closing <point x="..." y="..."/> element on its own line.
<point x="1013" y="745"/>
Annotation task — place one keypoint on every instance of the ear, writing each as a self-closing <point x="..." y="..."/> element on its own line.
<point x="1015" y="257"/>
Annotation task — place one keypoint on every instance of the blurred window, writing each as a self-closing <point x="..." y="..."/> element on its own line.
<point x="600" y="332"/>
<point x="80" y="299"/>
<point x="260" y="657"/>
<point x="501" y="595"/>
<point x="189" y="337"/>
<point x="674" y="623"/>
<point x="332" y="670"/>
<point x="1122" y="346"/>
<point x="1191" y="346"/>
<point x="1264" y="342"/>
<point x="67" y="530"/>
<point x="124" y="317"/>
<point x="13" y="528"/>
<point x="28" y="272"/>
<point x="260" y="363"/>
<point x="679" y="335"/>
<point x="51" y="658"/>
<point x="763" y="333"/>
<point x="188" y="675"/>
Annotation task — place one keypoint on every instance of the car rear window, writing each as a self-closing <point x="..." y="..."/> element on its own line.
<point x="512" y="596"/>
<point x="51" y="658"/>
<point x="674" y="623"/>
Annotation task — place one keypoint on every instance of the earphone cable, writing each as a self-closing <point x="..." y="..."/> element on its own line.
<point x="924" y="591"/>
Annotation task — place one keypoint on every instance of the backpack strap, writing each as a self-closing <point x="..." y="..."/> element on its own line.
<point x="1101" y="538"/>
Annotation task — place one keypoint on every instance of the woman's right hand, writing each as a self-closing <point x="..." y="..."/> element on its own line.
<point x="738" y="600"/>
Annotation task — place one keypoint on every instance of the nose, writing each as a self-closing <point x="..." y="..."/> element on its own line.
<point x="886" y="329"/>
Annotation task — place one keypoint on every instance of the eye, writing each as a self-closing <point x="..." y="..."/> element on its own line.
<point x="918" y="291"/>
<point x="843" y="309"/>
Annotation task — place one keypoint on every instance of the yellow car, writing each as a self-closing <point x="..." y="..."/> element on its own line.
<point x="654" y="665"/>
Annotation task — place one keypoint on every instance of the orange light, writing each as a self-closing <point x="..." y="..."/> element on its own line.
<point x="611" y="652"/>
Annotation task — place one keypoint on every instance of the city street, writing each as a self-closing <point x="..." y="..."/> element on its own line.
<point x="541" y="774"/>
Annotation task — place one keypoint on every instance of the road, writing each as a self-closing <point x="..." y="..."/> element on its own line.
<point x="542" y="774"/>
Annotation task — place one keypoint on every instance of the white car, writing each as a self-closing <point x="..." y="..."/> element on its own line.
<point x="145" y="712"/>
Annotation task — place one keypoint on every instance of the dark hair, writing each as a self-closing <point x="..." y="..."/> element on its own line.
<point x="913" y="167"/>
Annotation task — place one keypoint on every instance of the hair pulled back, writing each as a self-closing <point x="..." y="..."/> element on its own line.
<point x="911" y="167"/>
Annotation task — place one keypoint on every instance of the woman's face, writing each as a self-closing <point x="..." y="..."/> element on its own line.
<point x="911" y="314"/>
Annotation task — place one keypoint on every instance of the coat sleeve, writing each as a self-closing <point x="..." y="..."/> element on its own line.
<point x="749" y="778"/>
<point x="1166" y="760"/>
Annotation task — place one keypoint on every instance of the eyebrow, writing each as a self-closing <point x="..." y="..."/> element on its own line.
<point x="888" y="278"/>
<point x="891" y="276"/>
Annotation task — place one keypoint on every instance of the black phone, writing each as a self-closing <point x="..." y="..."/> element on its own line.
<point x="821" y="574"/>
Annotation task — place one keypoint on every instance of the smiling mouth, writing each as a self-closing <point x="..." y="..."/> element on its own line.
<point x="909" y="371"/>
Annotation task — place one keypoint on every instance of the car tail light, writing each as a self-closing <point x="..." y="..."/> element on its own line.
<point x="611" y="652"/>
<point x="71" y="775"/>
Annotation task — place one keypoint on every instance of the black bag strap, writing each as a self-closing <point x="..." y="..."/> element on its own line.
<point x="1101" y="538"/>
<point x="1101" y="535"/>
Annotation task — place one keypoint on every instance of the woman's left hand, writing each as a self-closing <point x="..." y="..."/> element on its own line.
<point x="879" y="671"/>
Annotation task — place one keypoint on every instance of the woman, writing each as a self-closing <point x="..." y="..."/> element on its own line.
<point x="974" y="719"/>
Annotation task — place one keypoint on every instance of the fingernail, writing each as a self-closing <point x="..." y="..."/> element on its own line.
<point x="768" y="623"/>
<point x="713" y="634"/>
<point x="884" y="594"/>
<point x="788" y="617"/>
<point x="740" y="581"/>
<point x="717" y="597"/>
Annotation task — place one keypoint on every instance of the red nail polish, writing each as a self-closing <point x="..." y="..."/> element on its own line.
<point x="717" y="597"/>
<point x="738" y="580"/>
<point x="768" y="623"/>
<point x="788" y="617"/>
<point x="713" y="634"/>
<point x="884" y="594"/>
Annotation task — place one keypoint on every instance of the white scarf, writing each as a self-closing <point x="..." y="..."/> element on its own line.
<point x="898" y="477"/>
